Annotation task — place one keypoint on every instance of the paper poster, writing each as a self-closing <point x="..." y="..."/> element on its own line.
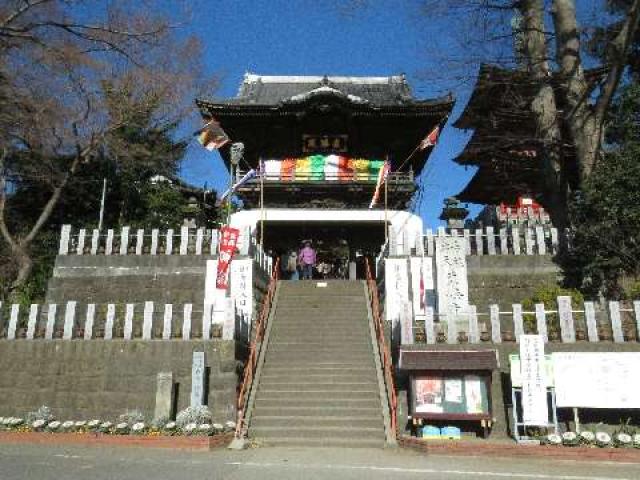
<point x="473" y="394"/>
<point x="453" y="390"/>
<point x="429" y="394"/>
<point x="597" y="380"/>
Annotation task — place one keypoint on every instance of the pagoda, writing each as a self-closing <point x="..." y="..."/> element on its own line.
<point x="318" y="143"/>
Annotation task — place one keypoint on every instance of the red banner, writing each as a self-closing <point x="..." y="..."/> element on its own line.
<point x="228" y="245"/>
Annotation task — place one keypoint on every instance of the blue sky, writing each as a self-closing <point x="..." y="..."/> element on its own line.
<point x="279" y="37"/>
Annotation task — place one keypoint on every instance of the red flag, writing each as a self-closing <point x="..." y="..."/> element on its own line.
<point x="382" y="177"/>
<point x="228" y="244"/>
<point x="431" y="139"/>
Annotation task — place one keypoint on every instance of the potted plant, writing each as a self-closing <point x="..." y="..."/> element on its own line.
<point x="581" y="334"/>
<point x="463" y="337"/>
<point x="420" y="336"/>
<point x="485" y="336"/>
<point x="441" y="337"/>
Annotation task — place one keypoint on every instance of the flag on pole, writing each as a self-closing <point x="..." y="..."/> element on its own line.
<point x="247" y="176"/>
<point x="431" y="139"/>
<point x="382" y="177"/>
<point x="212" y="136"/>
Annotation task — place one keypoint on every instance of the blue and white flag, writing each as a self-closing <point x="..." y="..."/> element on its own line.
<point x="248" y="176"/>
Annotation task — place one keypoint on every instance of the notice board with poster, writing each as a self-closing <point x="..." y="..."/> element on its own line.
<point x="450" y="395"/>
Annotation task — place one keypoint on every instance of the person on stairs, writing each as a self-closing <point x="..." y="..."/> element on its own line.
<point x="307" y="260"/>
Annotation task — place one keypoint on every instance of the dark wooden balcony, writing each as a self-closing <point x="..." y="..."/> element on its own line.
<point x="320" y="190"/>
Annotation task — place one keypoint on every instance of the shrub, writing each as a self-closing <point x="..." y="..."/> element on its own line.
<point x="548" y="295"/>
<point x="196" y="414"/>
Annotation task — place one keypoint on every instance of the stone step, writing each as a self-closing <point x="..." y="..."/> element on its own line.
<point x="319" y="432"/>
<point x="269" y="378"/>
<point x="319" y="442"/>
<point x="310" y="320"/>
<point x="286" y="404"/>
<point x="371" y="421"/>
<point x="306" y="411"/>
<point x="330" y="334"/>
<point x="318" y="347"/>
<point x="294" y="394"/>
<point x="306" y="358"/>
<point x="312" y="370"/>
<point x="338" y="324"/>
<point x="334" y="309"/>
<point x="321" y="325"/>
<point x="338" y="387"/>
<point x="308" y="364"/>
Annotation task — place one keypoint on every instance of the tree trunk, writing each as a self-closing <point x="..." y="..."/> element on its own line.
<point x="25" y="267"/>
<point x="545" y="110"/>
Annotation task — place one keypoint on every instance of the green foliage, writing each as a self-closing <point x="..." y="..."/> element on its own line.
<point x="606" y="213"/>
<point x="548" y="295"/>
<point x="632" y="292"/>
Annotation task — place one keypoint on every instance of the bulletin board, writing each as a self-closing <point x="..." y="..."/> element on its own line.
<point x="451" y="395"/>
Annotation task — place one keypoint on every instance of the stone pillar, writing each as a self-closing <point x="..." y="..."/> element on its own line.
<point x="139" y="241"/>
<point x="33" y="319"/>
<point x="95" y="240"/>
<point x="51" y="321"/>
<point x="124" y="240"/>
<point x="186" y="321"/>
<point x="590" y="319"/>
<point x="165" y="392"/>
<point x="13" y="321"/>
<point x="69" y="320"/>
<point x="496" y="331"/>
<point x="198" y="374"/>
<point x="81" y="236"/>
<point x="65" y="236"/>
<point x="108" y="248"/>
<point x="88" y="324"/>
<point x="167" y="321"/>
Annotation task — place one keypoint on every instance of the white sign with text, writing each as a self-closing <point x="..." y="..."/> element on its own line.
<point x="597" y="380"/>
<point x="535" y="410"/>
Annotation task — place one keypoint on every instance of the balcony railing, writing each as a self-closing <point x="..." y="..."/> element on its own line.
<point x="322" y="177"/>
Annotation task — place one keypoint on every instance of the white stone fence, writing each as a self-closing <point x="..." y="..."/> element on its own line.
<point x="183" y="241"/>
<point x="139" y="321"/>
<point x="618" y="322"/>
<point x="537" y="240"/>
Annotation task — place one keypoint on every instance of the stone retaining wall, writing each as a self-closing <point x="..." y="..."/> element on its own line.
<point x="80" y="380"/>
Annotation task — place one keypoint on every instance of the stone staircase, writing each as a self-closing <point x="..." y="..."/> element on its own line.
<point x="318" y="384"/>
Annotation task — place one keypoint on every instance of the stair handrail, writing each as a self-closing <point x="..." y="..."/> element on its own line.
<point x="252" y="360"/>
<point x="385" y="354"/>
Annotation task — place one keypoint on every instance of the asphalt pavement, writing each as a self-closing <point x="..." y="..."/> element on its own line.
<point x="83" y="463"/>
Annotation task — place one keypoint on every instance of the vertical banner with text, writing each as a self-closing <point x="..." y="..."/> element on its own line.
<point x="535" y="410"/>
<point x="228" y="244"/>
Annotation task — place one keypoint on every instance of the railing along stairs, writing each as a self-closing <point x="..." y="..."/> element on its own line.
<point x="383" y="349"/>
<point x="254" y="353"/>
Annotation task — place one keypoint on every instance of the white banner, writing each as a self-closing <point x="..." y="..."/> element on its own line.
<point x="241" y="288"/>
<point x="597" y="380"/>
<point x="396" y="282"/>
<point x="422" y="284"/>
<point x="535" y="410"/>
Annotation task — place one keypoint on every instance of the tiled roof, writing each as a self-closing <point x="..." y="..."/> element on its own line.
<point x="275" y="90"/>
